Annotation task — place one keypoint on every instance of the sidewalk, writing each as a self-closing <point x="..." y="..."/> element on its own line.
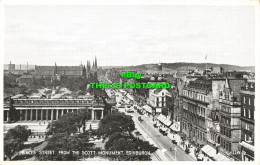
<point x="178" y="140"/>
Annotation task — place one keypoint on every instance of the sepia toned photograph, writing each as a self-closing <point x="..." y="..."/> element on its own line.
<point x="129" y="82"/>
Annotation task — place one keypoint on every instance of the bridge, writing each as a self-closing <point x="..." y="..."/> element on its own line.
<point x="50" y="109"/>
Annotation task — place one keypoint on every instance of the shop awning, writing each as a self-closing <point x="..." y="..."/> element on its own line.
<point x="208" y="150"/>
<point x="175" y="126"/>
<point x="220" y="157"/>
<point x="147" y="108"/>
<point x="161" y="118"/>
<point x="129" y="97"/>
<point x="167" y="122"/>
<point x="248" y="146"/>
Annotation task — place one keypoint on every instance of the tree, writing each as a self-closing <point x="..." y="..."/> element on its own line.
<point x="84" y="116"/>
<point x="18" y="132"/>
<point x="122" y="142"/>
<point x="116" y="122"/>
<point x="70" y="123"/>
<point x="14" y="139"/>
<point x="11" y="146"/>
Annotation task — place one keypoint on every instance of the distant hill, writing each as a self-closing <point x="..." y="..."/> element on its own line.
<point x="190" y="66"/>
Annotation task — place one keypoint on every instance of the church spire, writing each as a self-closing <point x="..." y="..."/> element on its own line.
<point x="95" y="62"/>
<point x="55" y="69"/>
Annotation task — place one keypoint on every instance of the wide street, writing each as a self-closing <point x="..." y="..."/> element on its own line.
<point x="152" y="134"/>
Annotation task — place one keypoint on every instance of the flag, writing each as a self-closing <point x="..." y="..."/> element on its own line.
<point x="206" y="56"/>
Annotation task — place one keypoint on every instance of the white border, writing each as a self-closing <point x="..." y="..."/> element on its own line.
<point x="139" y="2"/>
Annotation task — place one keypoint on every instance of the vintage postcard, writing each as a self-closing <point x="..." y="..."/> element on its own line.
<point x="130" y="81"/>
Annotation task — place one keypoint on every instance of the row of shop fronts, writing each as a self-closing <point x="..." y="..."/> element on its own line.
<point x="213" y="153"/>
<point x="173" y="130"/>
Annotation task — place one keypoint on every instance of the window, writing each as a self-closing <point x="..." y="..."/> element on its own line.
<point x="247" y="126"/>
<point x="162" y="101"/>
<point x="244" y="112"/>
<point x="249" y="114"/>
<point x="244" y="99"/>
<point x="227" y="145"/>
<point x="248" y="100"/>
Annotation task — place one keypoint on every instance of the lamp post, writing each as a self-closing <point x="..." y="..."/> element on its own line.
<point x="175" y="150"/>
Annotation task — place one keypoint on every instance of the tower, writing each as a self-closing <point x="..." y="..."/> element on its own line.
<point x="11" y="67"/>
<point x="27" y="68"/>
<point x="84" y="71"/>
<point x="93" y="66"/>
<point x="96" y="62"/>
<point x="55" y="69"/>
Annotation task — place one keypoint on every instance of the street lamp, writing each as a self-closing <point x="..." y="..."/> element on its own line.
<point x="174" y="149"/>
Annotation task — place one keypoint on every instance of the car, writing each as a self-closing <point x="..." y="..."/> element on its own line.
<point x="174" y="142"/>
<point x="138" y="133"/>
<point x="140" y="119"/>
<point x="121" y="106"/>
<point x="162" y="132"/>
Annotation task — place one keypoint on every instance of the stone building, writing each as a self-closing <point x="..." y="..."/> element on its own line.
<point x="25" y="79"/>
<point x="230" y="113"/>
<point x="50" y="109"/>
<point x="200" y="99"/>
<point x="69" y="71"/>
<point x="157" y="100"/>
<point x="247" y="95"/>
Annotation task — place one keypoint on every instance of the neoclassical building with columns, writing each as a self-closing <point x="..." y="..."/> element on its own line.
<point x="49" y="109"/>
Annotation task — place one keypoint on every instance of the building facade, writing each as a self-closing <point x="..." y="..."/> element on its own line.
<point x="196" y="99"/>
<point x="199" y="105"/>
<point x="157" y="100"/>
<point x="230" y="111"/>
<point x="49" y="109"/>
<point x="70" y="71"/>
<point x="247" y="94"/>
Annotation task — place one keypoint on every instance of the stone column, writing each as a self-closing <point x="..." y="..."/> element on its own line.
<point x="102" y="114"/>
<point x="92" y="116"/>
<point x="21" y="115"/>
<point x="26" y="113"/>
<point x="36" y="114"/>
<point x="51" y="114"/>
<point x="62" y="112"/>
<point x="41" y="114"/>
<point x="8" y="116"/>
<point x="47" y="114"/>
<point x="31" y="115"/>
<point x="57" y="114"/>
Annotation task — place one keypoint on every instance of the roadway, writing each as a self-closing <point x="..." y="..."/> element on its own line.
<point x="153" y="135"/>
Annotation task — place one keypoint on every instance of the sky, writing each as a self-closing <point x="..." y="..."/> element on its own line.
<point x="129" y="35"/>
